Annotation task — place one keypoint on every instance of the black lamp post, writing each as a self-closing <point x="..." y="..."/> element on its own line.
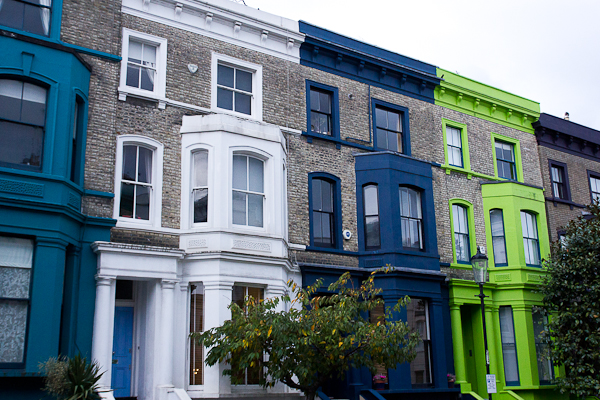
<point x="479" y="262"/>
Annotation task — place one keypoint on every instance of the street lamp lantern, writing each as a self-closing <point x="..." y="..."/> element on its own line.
<point x="479" y="262"/>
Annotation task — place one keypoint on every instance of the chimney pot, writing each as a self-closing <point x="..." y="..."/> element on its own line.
<point x="567" y="116"/>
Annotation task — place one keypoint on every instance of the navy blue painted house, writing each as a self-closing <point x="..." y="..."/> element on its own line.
<point x="394" y="204"/>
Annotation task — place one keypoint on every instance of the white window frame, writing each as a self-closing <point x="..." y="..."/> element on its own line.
<point x="267" y="187"/>
<point x="187" y="176"/>
<point x="161" y="68"/>
<point x="255" y="69"/>
<point x="157" y="178"/>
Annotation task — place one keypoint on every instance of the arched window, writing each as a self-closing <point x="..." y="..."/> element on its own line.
<point x="411" y="218"/>
<point x="323" y="213"/>
<point x="22" y="121"/>
<point x="498" y="241"/>
<point x="461" y="233"/>
<point x="200" y="185"/>
<point x="530" y="238"/>
<point x="371" y="217"/>
<point x="248" y="190"/>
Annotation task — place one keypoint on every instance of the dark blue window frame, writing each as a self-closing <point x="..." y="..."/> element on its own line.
<point x="404" y="116"/>
<point x="335" y="108"/>
<point x="337" y="212"/>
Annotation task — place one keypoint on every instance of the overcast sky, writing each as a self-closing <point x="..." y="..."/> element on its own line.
<point x="544" y="50"/>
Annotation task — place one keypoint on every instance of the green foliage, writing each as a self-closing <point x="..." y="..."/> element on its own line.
<point x="318" y="338"/>
<point x="572" y="297"/>
<point x="72" y="378"/>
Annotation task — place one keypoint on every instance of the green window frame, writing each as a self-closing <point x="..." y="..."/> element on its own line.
<point x="498" y="237"/>
<point x="516" y="150"/>
<point x="544" y="363"/>
<point x="456" y="206"/>
<point x="509" y="346"/>
<point x="450" y="162"/>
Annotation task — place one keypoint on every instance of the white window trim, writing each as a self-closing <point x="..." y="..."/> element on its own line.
<point x="266" y="158"/>
<point x="255" y="69"/>
<point x="161" y="68"/>
<point x="186" y="175"/>
<point x="157" y="178"/>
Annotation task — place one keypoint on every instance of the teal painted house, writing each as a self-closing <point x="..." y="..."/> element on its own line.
<point x="47" y="267"/>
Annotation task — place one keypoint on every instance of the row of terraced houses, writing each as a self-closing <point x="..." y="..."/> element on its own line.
<point x="160" y="159"/>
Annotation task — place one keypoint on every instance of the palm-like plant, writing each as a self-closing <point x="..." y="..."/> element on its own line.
<point x="83" y="379"/>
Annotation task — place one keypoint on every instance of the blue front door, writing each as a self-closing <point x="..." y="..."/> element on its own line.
<point x="122" y="352"/>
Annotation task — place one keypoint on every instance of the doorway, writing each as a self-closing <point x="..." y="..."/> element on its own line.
<point x="122" y="359"/>
<point x="472" y="328"/>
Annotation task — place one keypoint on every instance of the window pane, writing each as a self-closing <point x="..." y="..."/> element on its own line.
<point x="255" y="210"/>
<point x="372" y="230"/>
<point x="381" y="118"/>
<point x="455" y="156"/>
<point x="414" y="234"/>
<point x="126" y="203"/>
<point x="317" y="199"/>
<point x="256" y="175"/>
<point x="243" y="80"/>
<point x="243" y="103"/>
<point x="21" y="144"/>
<point x="10" y="99"/>
<point x="33" y="110"/>
<point x="200" y="205"/>
<point x="13" y="326"/>
<point x="142" y="202"/>
<point x="224" y="99"/>
<point x="196" y="325"/>
<point x="133" y="76"/>
<point x="462" y="247"/>
<point x="371" y="201"/>
<point x="135" y="52"/>
<point x="149" y="55"/>
<point x="417" y="319"/>
<point x="14" y="282"/>
<point x="499" y="250"/>
<point x="327" y="196"/>
<point x="404" y="202"/>
<point x="36" y="20"/>
<point x="497" y="224"/>
<point x="324" y="124"/>
<point x="392" y="139"/>
<point x="11" y="14"/>
<point x="405" y="232"/>
<point x="393" y="121"/>
<point x="400" y="148"/>
<point x="381" y="139"/>
<point x="225" y="76"/>
<point x="326" y="227"/>
<point x="509" y="350"/>
<point x="314" y="100"/>
<point x="415" y="203"/>
<point x="200" y="178"/>
<point x="317" y="226"/>
<point x="16" y="252"/>
<point x="145" y="165"/>
<point x="240" y="172"/>
<point x="325" y="103"/>
<point x="239" y="208"/>
<point x="147" y="79"/>
<point x="129" y="162"/>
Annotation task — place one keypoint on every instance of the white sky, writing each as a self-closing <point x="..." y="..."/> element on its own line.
<point x="544" y="50"/>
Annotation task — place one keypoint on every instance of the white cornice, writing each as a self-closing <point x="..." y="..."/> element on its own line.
<point x="226" y="21"/>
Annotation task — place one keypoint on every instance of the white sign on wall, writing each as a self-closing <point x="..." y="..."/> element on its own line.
<point x="491" y="383"/>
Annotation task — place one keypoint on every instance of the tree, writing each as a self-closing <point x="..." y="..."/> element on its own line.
<point x="318" y="338"/>
<point x="572" y="298"/>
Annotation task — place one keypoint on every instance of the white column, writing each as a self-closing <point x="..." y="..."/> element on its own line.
<point x="181" y="341"/>
<point x="166" y="332"/>
<point x="217" y="297"/>
<point x="102" y="336"/>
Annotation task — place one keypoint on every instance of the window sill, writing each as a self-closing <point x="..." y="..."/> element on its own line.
<point x="338" y="142"/>
<point x="217" y="110"/>
<point x="563" y="201"/>
<point x="461" y="266"/>
<point x="468" y="172"/>
<point x="125" y="91"/>
<point x="529" y="387"/>
<point x="331" y="250"/>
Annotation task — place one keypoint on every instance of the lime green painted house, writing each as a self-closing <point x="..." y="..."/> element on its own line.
<point x="511" y="207"/>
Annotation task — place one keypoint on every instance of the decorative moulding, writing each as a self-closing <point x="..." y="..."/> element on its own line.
<point x="24" y="188"/>
<point x="192" y="68"/>
<point x="251" y="245"/>
<point x="223" y="21"/>
<point x="197" y="243"/>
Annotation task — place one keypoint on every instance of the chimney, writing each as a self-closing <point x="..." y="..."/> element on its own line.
<point x="566" y="116"/>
